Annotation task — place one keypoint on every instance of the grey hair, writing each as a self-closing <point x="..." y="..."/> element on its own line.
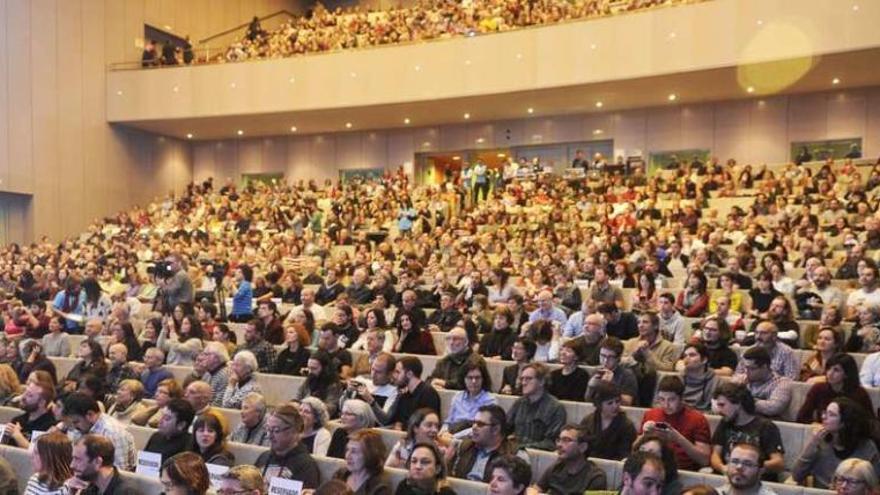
<point x="257" y="400"/>
<point x="361" y="411"/>
<point x="248" y="359"/>
<point x="319" y="411"/>
<point x="217" y="349"/>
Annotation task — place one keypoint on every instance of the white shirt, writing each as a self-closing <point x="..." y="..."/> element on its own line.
<point x="869" y="374"/>
<point x="861" y="298"/>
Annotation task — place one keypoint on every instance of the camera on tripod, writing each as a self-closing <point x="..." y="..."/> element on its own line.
<point x="160" y="269"/>
<point x="217" y="269"/>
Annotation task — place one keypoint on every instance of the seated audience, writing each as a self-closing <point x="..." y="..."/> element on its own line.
<point x="252" y="427"/>
<point x="466" y="403"/>
<point x="356" y="416"/>
<point x="364" y="464"/>
<point x="426" y="472"/>
<point x="744" y="471"/>
<point x="522" y="354"/>
<point x="699" y="379"/>
<point x="487" y="442"/>
<point x="82" y="416"/>
<point x="173" y="436"/>
<point x="322" y="382"/>
<point x="572" y="472"/>
<point x="610" y="370"/>
<point x="38" y="397"/>
<point x="771" y="391"/>
<point x="841" y="380"/>
<point x="242" y="479"/>
<point x="682" y="428"/>
<point x="185" y="473"/>
<point x="287" y="457"/>
<point x="536" y="417"/>
<point x="570" y="381"/>
<point x="414" y="394"/>
<point x="611" y="429"/>
<point x="316" y="436"/>
<point x="255" y="343"/>
<point x="829" y="342"/>
<point x="423" y="428"/>
<point x="51" y="458"/>
<point x="449" y="371"/>
<point x="241" y="380"/>
<point x="644" y="474"/>
<point x="855" y="477"/>
<point x="844" y="434"/>
<point x="210" y="432"/>
<point x="739" y="423"/>
<point x="94" y="469"/>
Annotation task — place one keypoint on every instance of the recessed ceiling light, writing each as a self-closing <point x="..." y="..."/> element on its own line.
<point x="189" y="135"/>
<point x="232" y="85"/>
<point x="418" y="68"/>
<point x="480" y="140"/>
<point x="406" y="121"/>
<point x="530" y="110"/>
<point x="501" y="155"/>
<point x="467" y="62"/>
<point x="467" y="116"/>
<point x="672" y="35"/>
<point x="456" y="158"/>
<point x="672" y="97"/>
<point x="292" y="79"/>
<point x="176" y="89"/>
<point x="119" y="93"/>
<point x="354" y="74"/>
<point x="293" y="128"/>
<point x="239" y="132"/>
<point x="599" y="104"/>
<point x="750" y="89"/>
<point x="835" y="81"/>
<point x="759" y="22"/>
<point x="426" y="144"/>
<point x="597" y="131"/>
<point x="593" y="46"/>
<point x="855" y="8"/>
<point x="348" y="125"/>
<point x="519" y="56"/>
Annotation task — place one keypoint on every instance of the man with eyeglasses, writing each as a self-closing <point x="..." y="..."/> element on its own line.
<point x="243" y="479"/>
<point x="744" y="472"/>
<point x="587" y="344"/>
<point x="487" y="442"/>
<point x="782" y="359"/>
<point x="572" y="472"/>
<point x="448" y="372"/>
<point x="772" y="392"/>
<point x="610" y="370"/>
<point x="93" y="469"/>
<point x="537" y="417"/>
<point x="287" y="457"/>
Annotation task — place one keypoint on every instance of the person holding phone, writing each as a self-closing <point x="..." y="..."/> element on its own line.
<point x="684" y="429"/>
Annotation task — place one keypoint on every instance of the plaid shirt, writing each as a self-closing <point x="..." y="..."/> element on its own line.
<point x="126" y="452"/>
<point x="773" y="396"/>
<point x="263" y="351"/>
<point x="782" y="361"/>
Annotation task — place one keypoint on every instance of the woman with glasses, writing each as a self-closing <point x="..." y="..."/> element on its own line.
<point x="185" y="474"/>
<point x="855" y="477"/>
<point x="423" y="427"/>
<point x="844" y="434"/>
<point x="51" y="465"/>
<point x="426" y="472"/>
<point x="356" y="416"/>
<point x="315" y="436"/>
<point x="364" y="471"/>
<point x="242" y="480"/>
<point x="210" y="440"/>
<point x="476" y="394"/>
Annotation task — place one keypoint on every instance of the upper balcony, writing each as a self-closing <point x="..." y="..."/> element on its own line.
<point x="720" y="49"/>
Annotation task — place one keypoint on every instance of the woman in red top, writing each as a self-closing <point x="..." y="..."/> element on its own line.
<point x="841" y="380"/>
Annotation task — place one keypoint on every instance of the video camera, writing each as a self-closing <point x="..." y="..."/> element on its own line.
<point x="218" y="269"/>
<point x="160" y="268"/>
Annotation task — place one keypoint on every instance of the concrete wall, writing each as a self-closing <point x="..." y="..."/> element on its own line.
<point x="752" y="131"/>
<point x="709" y="35"/>
<point x="55" y="142"/>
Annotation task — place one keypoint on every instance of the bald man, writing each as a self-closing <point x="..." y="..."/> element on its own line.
<point x="449" y="371"/>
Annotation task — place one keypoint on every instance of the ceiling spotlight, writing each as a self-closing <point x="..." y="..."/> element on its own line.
<point x="232" y="85"/>
<point x="418" y="68"/>
<point x="293" y="128"/>
<point x="750" y="89"/>
<point x="519" y="56"/>
<point x="855" y="8"/>
<point x="240" y="132"/>
<point x="835" y="81"/>
<point x="189" y="135"/>
<point x="597" y="131"/>
<point x="672" y="97"/>
<point x="480" y="140"/>
<point x="406" y="121"/>
<point x="292" y="79"/>
<point x="501" y="155"/>
<point x="759" y="22"/>
<point x="354" y="74"/>
<point x="426" y="144"/>
<point x="176" y="89"/>
<point x="119" y="93"/>
<point x="593" y="46"/>
<point x="467" y="116"/>
<point x="467" y="62"/>
<point x="599" y="104"/>
<point x="672" y="35"/>
<point x="530" y="110"/>
<point x="348" y="125"/>
<point x="456" y="158"/>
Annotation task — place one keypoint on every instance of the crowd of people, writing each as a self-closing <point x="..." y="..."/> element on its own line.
<point x="324" y="30"/>
<point x="609" y="289"/>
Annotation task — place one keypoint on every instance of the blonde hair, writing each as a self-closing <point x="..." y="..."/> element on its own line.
<point x="9" y="383"/>
<point x="861" y="469"/>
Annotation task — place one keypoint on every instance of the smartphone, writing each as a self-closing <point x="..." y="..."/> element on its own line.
<point x="661" y="425"/>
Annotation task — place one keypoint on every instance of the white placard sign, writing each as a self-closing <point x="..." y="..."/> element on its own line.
<point x="283" y="486"/>
<point x="215" y="471"/>
<point x="2" y="431"/>
<point x="149" y="463"/>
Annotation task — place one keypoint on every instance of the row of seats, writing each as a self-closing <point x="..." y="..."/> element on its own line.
<point x="248" y="454"/>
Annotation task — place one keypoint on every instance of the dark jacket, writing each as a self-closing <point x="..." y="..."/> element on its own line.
<point x="375" y="485"/>
<point x="451" y="369"/>
<point x="463" y="460"/>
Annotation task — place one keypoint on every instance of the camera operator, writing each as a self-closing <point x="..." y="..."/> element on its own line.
<point x="177" y="288"/>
